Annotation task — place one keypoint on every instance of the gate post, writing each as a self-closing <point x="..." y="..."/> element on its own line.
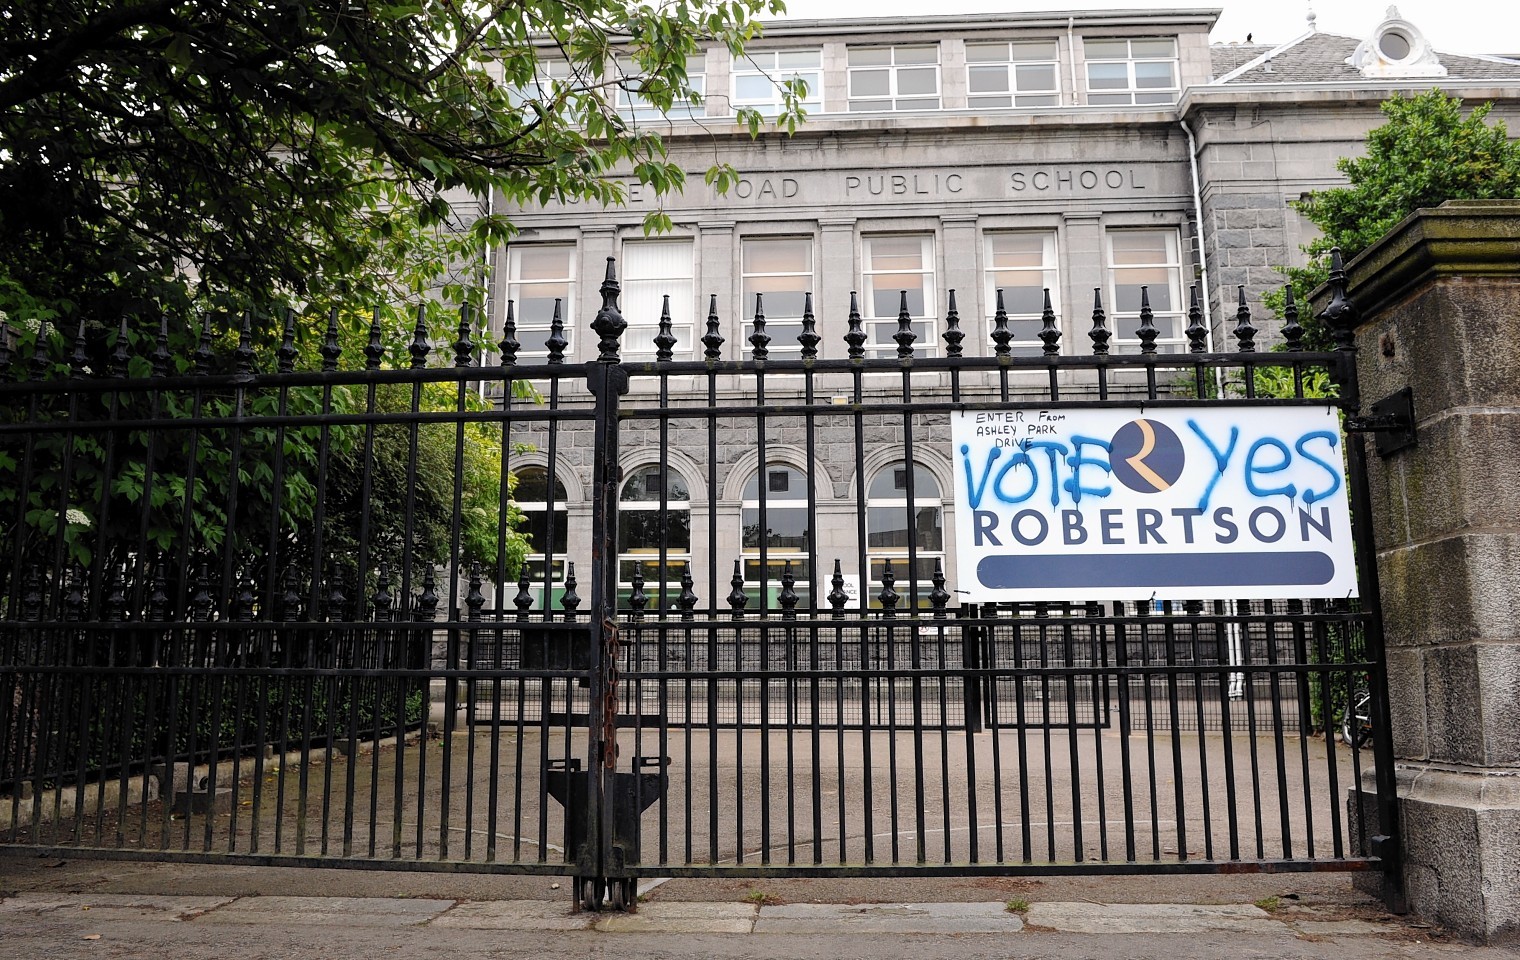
<point x="1439" y="299"/>
<point x="607" y="381"/>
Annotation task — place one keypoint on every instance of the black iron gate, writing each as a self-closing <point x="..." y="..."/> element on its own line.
<point x="273" y="617"/>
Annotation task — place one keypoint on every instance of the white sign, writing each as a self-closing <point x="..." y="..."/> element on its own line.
<point x="1215" y="503"/>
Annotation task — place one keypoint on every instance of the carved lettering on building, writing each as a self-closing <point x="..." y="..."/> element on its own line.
<point x="903" y="184"/>
<point x="1077" y="179"/>
<point x="765" y="188"/>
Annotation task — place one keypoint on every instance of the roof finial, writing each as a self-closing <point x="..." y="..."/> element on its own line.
<point x="1313" y="27"/>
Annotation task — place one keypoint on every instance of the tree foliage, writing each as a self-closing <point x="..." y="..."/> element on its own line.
<point x="1427" y="153"/>
<point x="169" y="155"/>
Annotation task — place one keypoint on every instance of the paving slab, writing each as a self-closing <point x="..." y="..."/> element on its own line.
<point x="112" y="906"/>
<point x="888" y="918"/>
<point x="1149" y="918"/>
<point x="328" y="911"/>
<point x="683" y="918"/>
<point x="1344" y="928"/>
<point x="514" y="915"/>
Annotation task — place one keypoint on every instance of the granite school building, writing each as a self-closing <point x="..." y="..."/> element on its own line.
<point x="981" y="156"/>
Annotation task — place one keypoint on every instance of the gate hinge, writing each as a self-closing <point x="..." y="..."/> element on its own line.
<point x="1391" y="423"/>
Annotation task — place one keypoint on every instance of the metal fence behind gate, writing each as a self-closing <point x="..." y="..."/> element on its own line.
<point x="245" y="617"/>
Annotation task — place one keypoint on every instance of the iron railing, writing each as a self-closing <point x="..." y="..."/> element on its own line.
<point x="266" y="616"/>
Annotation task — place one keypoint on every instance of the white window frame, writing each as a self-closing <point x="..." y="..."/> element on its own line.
<point x="1012" y="92"/>
<point x="892" y="99"/>
<point x="776" y="556"/>
<point x="546" y="73"/>
<point x="537" y="561"/>
<point x="643" y="295"/>
<point x="1132" y="94"/>
<point x="635" y="108"/>
<point x="782" y="328"/>
<point x="767" y="65"/>
<point x="1171" y="322"/>
<point x="1049" y="278"/>
<point x="533" y="332"/>
<point x="677" y="558"/>
<point x="899" y="555"/>
<point x="879" y="329"/>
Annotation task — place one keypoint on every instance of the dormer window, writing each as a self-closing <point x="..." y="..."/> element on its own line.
<point x="1396" y="48"/>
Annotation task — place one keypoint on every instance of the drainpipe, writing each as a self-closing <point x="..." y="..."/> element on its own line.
<point x="1071" y="55"/>
<point x="1203" y="257"/>
<point x="487" y="301"/>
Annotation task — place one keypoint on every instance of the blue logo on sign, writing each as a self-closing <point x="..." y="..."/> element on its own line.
<point x="1147" y="456"/>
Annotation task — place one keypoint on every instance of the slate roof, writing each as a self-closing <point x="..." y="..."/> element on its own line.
<point x="1321" y="57"/>
<point x="1225" y="57"/>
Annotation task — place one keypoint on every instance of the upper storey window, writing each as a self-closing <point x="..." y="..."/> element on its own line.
<point x="894" y="78"/>
<point x="757" y="76"/>
<point x="1136" y="70"/>
<point x="632" y="103"/>
<point x="546" y="73"/>
<point x="1012" y="74"/>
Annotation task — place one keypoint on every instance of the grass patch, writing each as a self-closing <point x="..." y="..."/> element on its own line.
<point x="1017" y="905"/>
<point x="761" y="898"/>
<point x="1269" y="904"/>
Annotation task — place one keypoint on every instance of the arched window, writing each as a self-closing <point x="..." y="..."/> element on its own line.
<point x="785" y="529"/>
<point x="546" y="524"/>
<point x="900" y="522"/>
<point x="654" y="535"/>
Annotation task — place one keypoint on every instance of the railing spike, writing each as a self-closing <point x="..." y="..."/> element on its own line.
<point x="1147" y="331"/>
<point x="712" y="340"/>
<point x="1001" y="335"/>
<point x="1245" y="331"/>
<point x="953" y="334"/>
<point x="809" y="338"/>
<point x="1050" y="333"/>
<point x="609" y="323"/>
<point x="1099" y="334"/>
<point x="509" y="344"/>
<point x="855" y="334"/>
<point x="557" y="343"/>
<point x="243" y="356"/>
<point x="759" y="340"/>
<point x="285" y="353"/>
<point x="421" y="344"/>
<point x="665" y="337"/>
<point x="1292" y="331"/>
<point x="464" y="344"/>
<point x="1197" y="333"/>
<point x="331" y="350"/>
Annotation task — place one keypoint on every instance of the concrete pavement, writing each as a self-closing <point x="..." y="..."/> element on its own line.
<point x="107" y="909"/>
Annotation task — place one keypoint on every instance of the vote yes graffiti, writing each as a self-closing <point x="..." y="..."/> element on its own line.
<point x="1217" y="503"/>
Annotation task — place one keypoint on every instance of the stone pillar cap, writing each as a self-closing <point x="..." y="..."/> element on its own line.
<point x="1470" y="238"/>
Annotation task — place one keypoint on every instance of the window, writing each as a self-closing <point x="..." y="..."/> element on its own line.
<point x="540" y="279"/>
<point x="1012" y="74"/>
<point x="782" y="270"/>
<point x="1136" y="71"/>
<point x="1023" y="267"/>
<point x="654" y="535"/>
<point x="894" y="78"/>
<point x="545" y="73"/>
<point x="784" y="497"/>
<point x="546" y="525"/>
<point x="1145" y="260"/>
<point x="632" y="104"/>
<point x="653" y="270"/>
<point x="898" y="520"/>
<point x="895" y="266"/>
<point x="757" y="73"/>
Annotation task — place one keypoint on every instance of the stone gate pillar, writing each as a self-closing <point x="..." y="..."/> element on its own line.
<point x="1440" y="313"/>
